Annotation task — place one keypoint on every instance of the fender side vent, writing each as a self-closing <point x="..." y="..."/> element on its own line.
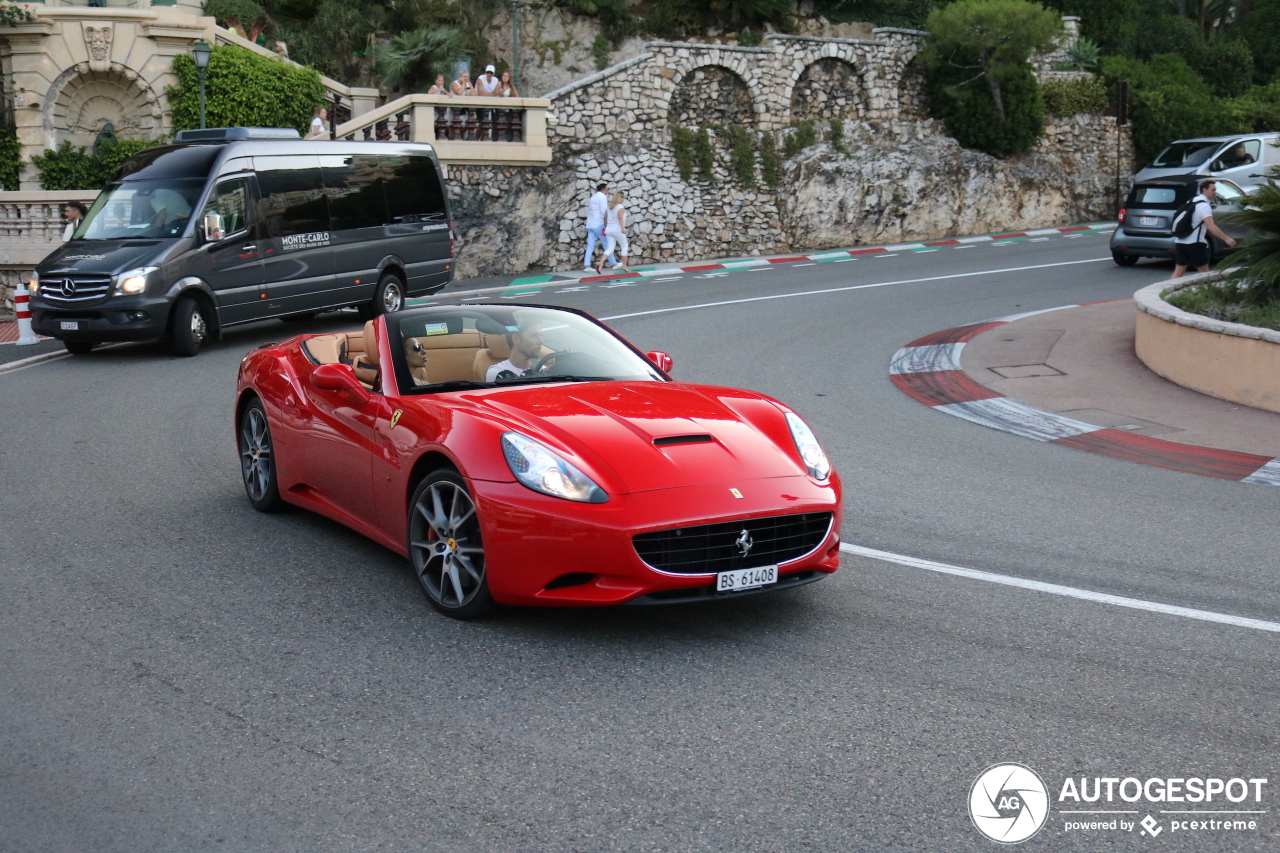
<point x="667" y="440"/>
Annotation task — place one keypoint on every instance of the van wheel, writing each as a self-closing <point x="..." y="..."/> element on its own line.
<point x="190" y="327"/>
<point x="388" y="298"/>
<point x="1124" y="260"/>
<point x="79" y="347"/>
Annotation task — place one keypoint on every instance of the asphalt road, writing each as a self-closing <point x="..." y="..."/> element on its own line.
<point x="179" y="672"/>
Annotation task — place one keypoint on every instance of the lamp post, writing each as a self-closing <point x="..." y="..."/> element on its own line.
<point x="201" y="53"/>
<point x="515" y="43"/>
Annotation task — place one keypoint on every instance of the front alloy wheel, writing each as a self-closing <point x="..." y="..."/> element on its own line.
<point x="257" y="459"/>
<point x="445" y="547"/>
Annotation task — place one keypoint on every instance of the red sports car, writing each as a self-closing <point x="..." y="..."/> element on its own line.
<point x="529" y="455"/>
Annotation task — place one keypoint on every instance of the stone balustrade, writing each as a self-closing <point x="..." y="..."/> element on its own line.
<point x="31" y="227"/>
<point x="476" y="130"/>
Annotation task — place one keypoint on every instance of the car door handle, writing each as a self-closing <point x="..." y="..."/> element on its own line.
<point x="252" y="247"/>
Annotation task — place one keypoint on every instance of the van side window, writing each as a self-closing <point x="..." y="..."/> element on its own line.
<point x="413" y="189"/>
<point x="293" y="198"/>
<point x="231" y="201"/>
<point x="354" y="184"/>
<point x="1237" y="155"/>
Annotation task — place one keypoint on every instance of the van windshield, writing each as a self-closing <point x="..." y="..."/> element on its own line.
<point x="141" y="209"/>
<point x="1185" y="154"/>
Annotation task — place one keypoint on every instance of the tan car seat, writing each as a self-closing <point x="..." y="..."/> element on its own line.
<point x="366" y="364"/>
<point x="494" y="348"/>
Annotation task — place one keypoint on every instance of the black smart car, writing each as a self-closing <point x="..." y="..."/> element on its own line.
<point x="1146" y="220"/>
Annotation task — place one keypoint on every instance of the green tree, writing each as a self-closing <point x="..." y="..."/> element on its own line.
<point x="970" y="113"/>
<point x="71" y="168"/>
<point x="244" y="89"/>
<point x="413" y="59"/>
<point x="1259" y="28"/>
<point x="10" y="160"/>
<point x="1113" y="24"/>
<point x="990" y="41"/>
<point x="1260" y="252"/>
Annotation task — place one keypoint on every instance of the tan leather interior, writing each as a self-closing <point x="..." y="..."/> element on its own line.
<point x="346" y="348"/>
<point x="494" y="348"/>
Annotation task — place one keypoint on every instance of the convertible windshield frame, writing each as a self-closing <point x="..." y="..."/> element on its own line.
<point x="494" y="318"/>
<point x="144" y="223"/>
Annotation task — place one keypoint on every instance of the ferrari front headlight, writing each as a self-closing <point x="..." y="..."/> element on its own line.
<point x="815" y="458"/>
<point x="545" y="471"/>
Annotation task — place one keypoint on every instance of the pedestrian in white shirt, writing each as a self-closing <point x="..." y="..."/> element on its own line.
<point x="1193" y="250"/>
<point x="615" y="234"/>
<point x="597" y="207"/>
<point x="74" y="212"/>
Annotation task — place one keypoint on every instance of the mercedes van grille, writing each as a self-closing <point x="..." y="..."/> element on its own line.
<point x="75" y="289"/>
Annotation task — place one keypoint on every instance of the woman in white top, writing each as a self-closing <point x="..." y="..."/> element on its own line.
<point x="507" y="89"/>
<point x="462" y="86"/>
<point x="317" y="122"/>
<point x="615" y="234"/>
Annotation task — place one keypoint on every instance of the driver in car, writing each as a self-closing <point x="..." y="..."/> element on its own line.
<point x="526" y="346"/>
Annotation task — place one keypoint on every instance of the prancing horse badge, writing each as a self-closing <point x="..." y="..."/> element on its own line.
<point x="737" y="494"/>
<point x="395" y="417"/>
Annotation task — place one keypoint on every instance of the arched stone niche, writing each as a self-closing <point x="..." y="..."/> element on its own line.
<point x="826" y="89"/>
<point x="711" y="93"/>
<point x="82" y="101"/>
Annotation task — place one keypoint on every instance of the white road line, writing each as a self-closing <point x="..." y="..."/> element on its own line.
<point x="672" y="278"/>
<point x="958" y="248"/>
<point x="854" y="287"/>
<point x="1057" y="589"/>
<point x="844" y="261"/>
<point x="810" y="264"/>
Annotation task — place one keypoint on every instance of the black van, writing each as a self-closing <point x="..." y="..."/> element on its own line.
<point x="231" y="225"/>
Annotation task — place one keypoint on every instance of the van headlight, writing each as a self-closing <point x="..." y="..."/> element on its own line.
<point x="545" y="471"/>
<point x="34" y="287"/>
<point x="133" y="282"/>
<point x="815" y="458"/>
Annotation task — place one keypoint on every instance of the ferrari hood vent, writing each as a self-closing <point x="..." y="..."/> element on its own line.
<point x="682" y="439"/>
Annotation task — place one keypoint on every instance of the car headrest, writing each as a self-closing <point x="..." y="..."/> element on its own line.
<point x="499" y="346"/>
<point x="370" y="344"/>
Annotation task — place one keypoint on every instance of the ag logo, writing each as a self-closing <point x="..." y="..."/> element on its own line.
<point x="1008" y="803"/>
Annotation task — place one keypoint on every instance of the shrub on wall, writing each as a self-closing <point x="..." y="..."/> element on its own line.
<point x="742" y="155"/>
<point x="71" y="168"/>
<point x="802" y="138"/>
<point x="682" y="142"/>
<point x="1070" y="97"/>
<point x="971" y="116"/>
<point x="244" y="89"/>
<point x="770" y="165"/>
<point x="10" y="161"/>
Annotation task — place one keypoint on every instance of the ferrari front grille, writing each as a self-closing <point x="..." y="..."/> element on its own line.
<point x="729" y="545"/>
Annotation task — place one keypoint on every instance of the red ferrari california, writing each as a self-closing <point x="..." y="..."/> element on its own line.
<point x="529" y="455"/>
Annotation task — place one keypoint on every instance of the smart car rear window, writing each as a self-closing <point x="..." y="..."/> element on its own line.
<point x="1154" y="195"/>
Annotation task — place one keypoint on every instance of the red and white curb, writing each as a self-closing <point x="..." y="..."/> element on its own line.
<point x="847" y="254"/>
<point x="928" y="370"/>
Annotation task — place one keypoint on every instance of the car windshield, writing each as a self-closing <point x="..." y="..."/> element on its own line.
<point x="1191" y="153"/>
<point x="141" y="209"/>
<point x="448" y="348"/>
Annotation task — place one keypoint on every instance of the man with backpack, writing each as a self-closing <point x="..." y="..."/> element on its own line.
<point x="1190" y="222"/>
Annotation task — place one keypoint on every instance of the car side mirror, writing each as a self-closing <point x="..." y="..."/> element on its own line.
<point x="661" y="360"/>
<point x="213" y="229"/>
<point x="339" y="377"/>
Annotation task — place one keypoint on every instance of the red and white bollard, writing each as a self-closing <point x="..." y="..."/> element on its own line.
<point x="22" y="302"/>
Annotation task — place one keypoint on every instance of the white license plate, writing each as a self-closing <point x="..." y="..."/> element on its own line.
<point x="1148" y="220"/>
<point x="70" y="325"/>
<point x="741" y="579"/>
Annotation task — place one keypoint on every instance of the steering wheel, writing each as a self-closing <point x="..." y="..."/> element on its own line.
<point x="565" y="361"/>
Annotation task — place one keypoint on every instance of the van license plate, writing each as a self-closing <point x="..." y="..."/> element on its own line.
<point x="741" y="579"/>
<point x="70" y="325"/>
<point x="1148" y="220"/>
